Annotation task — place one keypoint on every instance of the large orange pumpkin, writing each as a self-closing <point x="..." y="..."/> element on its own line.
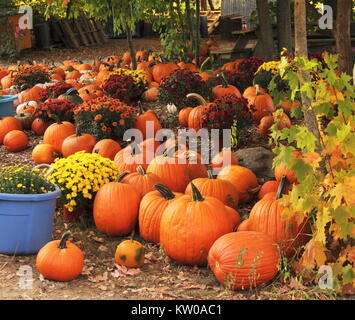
<point x="78" y="142"/>
<point x="190" y="225"/>
<point x="60" y="260"/>
<point x="151" y="210"/>
<point x="129" y="158"/>
<point x="163" y="70"/>
<point x="195" y="115"/>
<point x="224" y="89"/>
<point x="260" y="105"/>
<point x="43" y="153"/>
<point x="253" y="91"/>
<point x="245" y="259"/>
<point x="39" y="127"/>
<point x="147" y="119"/>
<point x="195" y="166"/>
<point x="116" y="208"/>
<point x="243" y="179"/>
<point x="223" y="159"/>
<point x="184" y="116"/>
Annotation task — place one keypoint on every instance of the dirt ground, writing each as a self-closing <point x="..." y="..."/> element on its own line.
<point x="159" y="278"/>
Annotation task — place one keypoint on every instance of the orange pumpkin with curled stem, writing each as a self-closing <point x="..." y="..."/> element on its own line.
<point x="224" y="89"/>
<point x="130" y="253"/>
<point x="60" y="260"/>
<point x="151" y="210"/>
<point x="195" y="116"/>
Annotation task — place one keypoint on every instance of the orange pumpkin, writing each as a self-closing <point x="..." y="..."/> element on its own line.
<point x="253" y="91"/>
<point x="151" y="210"/>
<point x="243" y="179"/>
<point x="60" y="260"/>
<point x="129" y="158"/>
<point x="245" y="259"/>
<point x="151" y="94"/>
<point x="78" y="142"/>
<point x="195" y="166"/>
<point x="146" y="119"/>
<point x="224" y="89"/>
<point x="39" y="127"/>
<point x="260" y="105"/>
<point x="223" y="159"/>
<point x="56" y="133"/>
<point x="184" y="116"/>
<point x="107" y="148"/>
<point x="116" y="208"/>
<point x="130" y="253"/>
<point x="43" y="153"/>
<point x="15" y="140"/>
<point x="8" y="124"/>
<point x="163" y="70"/>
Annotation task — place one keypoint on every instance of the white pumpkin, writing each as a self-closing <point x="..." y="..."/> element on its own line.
<point x="25" y="104"/>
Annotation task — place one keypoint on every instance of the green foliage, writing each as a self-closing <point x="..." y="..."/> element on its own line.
<point x="327" y="192"/>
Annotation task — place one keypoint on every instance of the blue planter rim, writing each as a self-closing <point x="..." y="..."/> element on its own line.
<point x="31" y="197"/>
<point x="7" y="98"/>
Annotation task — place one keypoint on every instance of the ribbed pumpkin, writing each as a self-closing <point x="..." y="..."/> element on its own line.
<point x="218" y="188"/>
<point x="195" y="167"/>
<point x="116" y="208"/>
<point x="8" y="124"/>
<point x="130" y="253"/>
<point x="144" y="120"/>
<point x="78" y="142"/>
<point x="56" y="133"/>
<point x="151" y="210"/>
<point x="151" y="94"/>
<point x="243" y="179"/>
<point x="43" y="153"/>
<point x="107" y="148"/>
<point x="268" y="186"/>
<point x="129" y="158"/>
<point x="60" y="260"/>
<point x="143" y="181"/>
<point x="266" y="216"/>
<point x="171" y="173"/>
<point x="39" y="127"/>
<point x="252" y="91"/>
<point x="281" y="170"/>
<point x="184" y="116"/>
<point x="260" y="105"/>
<point x="32" y="94"/>
<point x="190" y="225"/>
<point x="223" y="159"/>
<point x="15" y="140"/>
<point x="234" y="217"/>
<point x="245" y="259"/>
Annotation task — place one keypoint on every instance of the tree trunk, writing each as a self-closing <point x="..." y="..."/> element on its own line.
<point x="189" y="20"/>
<point x="342" y="35"/>
<point x="130" y="47"/>
<point x="266" y="34"/>
<point x="210" y="2"/>
<point x="302" y="50"/>
<point x="284" y="32"/>
<point x="197" y="35"/>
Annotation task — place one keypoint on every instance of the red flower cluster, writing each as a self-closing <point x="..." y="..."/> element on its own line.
<point x="250" y="66"/>
<point x="28" y="76"/>
<point x="222" y="113"/>
<point x="181" y="82"/>
<point x="55" y="110"/>
<point x="54" y="91"/>
<point x="238" y="79"/>
<point x="122" y="87"/>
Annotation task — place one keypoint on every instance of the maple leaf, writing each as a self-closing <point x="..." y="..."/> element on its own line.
<point x="344" y="190"/>
<point x="314" y="254"/>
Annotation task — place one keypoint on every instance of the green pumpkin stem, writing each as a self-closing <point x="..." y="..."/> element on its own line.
<point x="196" y="194"/>
<point x="164" y="191"/>
<point x="70" y="91"/>
<point x="170" y="152"/>
<point x="122" y="175"/>
<point x="141" y="170"/>
<point x="210" y="175"/>
<point x="63" y="240"/>
<point x="224" y="80"/>
<point x="282" y="187"/>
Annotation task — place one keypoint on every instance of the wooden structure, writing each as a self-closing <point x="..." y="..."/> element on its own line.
<point x="79" y="32"/>
<point x="213" y="20"/>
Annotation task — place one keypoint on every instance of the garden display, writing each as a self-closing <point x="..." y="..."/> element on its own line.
<point x="141" y="190"/>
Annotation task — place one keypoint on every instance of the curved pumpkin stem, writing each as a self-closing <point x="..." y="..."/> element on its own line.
<point x="122" y="175"/>
<point x="198" y="97"/>
<point x="257" y="87"/>
<point x="210" y="175"/>
<point x="225" y="83"/>
<point x="164" y="191"/>
<point x="204" y="63"/>
<point x="141" y="170"/>
<point x="196" y="194"/>
<point x="282" y="187"/>
<point x="63" y="240"/>
<point x="70" y="91"/>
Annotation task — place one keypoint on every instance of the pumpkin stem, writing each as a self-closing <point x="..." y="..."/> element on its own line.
<point x="224" y="80"/>
<point x="196" y="194"/>
<point x="170" y="152"/>
<point x="164" y="191"/>
<point x="70" y="91"/>
<point x="122" y="175"/>
<point x="257" y="87"/>
<point x="132" y="235"/>
<point x="198" y="97"/>
<point x="141" y="170"/>
<point x="204" y="63"/>
<point x="63" y="240"/>
<point x="141" y="110"/>
<point x="282" y="187"/>
<point x="210" y="175"/>
<point x="135" y="149"/>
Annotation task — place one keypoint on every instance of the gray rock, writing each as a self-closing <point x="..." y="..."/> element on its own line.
<point x="258" y="159"/>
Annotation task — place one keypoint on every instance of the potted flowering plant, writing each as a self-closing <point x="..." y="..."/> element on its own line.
<point x="55" y="110"/>
<point x="28" y="76"/>
<point x="80" y="176"/>
<point x="104" y="117"/>
<point x="27" y="206"/>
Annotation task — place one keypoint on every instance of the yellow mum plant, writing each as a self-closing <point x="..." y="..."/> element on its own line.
<point x="80" y="176"/>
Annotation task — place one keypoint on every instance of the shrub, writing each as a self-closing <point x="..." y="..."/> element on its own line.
<point x="28" y="76"/>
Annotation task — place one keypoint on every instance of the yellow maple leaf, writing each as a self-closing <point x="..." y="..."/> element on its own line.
<point x="314" y="254"/>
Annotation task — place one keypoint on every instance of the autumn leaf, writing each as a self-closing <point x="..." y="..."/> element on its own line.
<point x="314" y="254"/>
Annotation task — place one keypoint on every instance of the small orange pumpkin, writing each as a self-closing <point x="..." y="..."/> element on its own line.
<point x="130" y="253"/>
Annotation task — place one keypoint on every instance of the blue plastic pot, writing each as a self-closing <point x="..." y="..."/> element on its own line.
<point x="26" y="221"/>
<point x="7" y="106"/>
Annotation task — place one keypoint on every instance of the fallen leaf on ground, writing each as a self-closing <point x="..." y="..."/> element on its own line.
<point x="98" y="278"/>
